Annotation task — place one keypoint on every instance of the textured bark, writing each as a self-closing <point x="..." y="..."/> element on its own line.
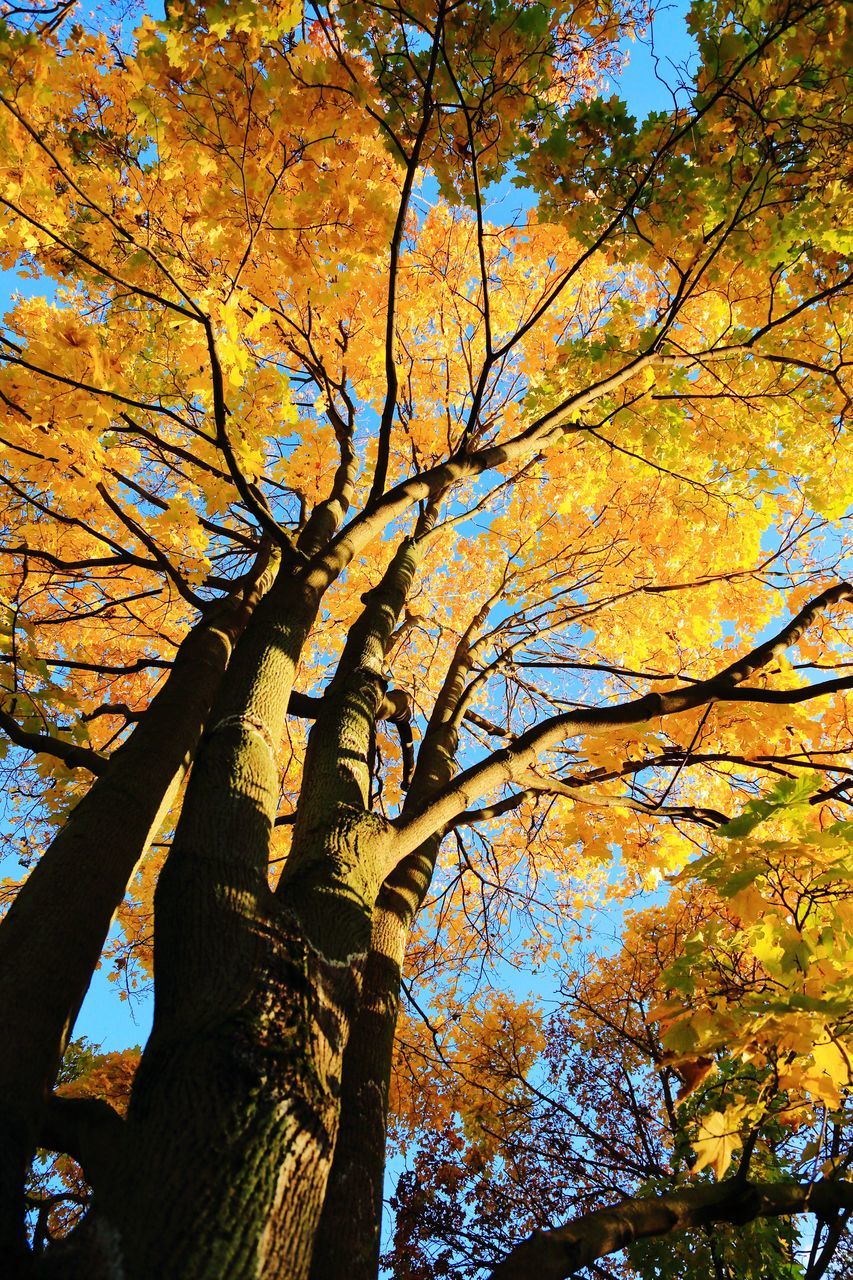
<point x="53" y="935"/>
<point x="348" y="1237"/>
<point x="334" y="866"/>
<point x="234" y="1111"/>
<point x="233" y="1122"/>
<point x="348" y="1242"/>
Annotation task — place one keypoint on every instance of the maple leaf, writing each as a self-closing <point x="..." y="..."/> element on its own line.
<point x="717" y="1140"/>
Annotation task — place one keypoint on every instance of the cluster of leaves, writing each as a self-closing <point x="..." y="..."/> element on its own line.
<point x="511" y="1120"/>
<point x="772" y="985"/>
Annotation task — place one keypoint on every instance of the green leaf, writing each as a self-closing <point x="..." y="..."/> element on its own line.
<point x="789" y="794"/>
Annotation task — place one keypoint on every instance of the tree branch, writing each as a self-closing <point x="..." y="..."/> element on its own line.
<point x="72" y="755"/>
<point x="558" y="1254"/>
<point x="250" y="494"/>
<point x="383" y="442"/>
<point x="87" y="1129"/>
<point x="513" y="763"/>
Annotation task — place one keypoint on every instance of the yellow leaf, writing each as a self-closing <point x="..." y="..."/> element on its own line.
<point x="718" y="1139"/>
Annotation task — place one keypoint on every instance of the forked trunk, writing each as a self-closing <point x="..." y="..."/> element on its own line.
<point x="233" y="1125"/>
<point x="234" y="1112"/>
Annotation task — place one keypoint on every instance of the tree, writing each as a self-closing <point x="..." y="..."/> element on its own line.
<point x="558" y="1117"/>
<point x="288" y="406"/>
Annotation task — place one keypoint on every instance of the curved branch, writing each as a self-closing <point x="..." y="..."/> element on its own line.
<point x="87" y="1129"/>
<point x="103" y="668"/>
<point x="159" y="556"/>
<point x="249" y="493"/>
<point x="557" y="1255"/>
<point x="512" y="764"/>
<point x="70" y="753"/>
<point x="75" y="566"/>
<point x="79" y="385"/>
<point x="396" y="709"/>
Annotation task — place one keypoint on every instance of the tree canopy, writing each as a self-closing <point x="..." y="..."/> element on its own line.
<point x="424" y="496"/>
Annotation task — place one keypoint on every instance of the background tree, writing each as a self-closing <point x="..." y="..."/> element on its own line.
<point x="288" y="397"/>
<point x="552" y="1117"/>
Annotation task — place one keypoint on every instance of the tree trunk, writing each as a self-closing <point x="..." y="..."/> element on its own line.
<point x="233" y="1122"/>
<point x="234" y="1112"/>
<point x="348" y="1238"/>
<point x="53" y="935"/>
<point x="348" y="1243"/>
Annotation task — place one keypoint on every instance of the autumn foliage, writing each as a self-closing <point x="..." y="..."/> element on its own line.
<point x="425" y="641"/>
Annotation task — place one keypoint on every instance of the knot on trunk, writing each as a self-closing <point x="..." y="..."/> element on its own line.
<point x="250" y="725"/>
